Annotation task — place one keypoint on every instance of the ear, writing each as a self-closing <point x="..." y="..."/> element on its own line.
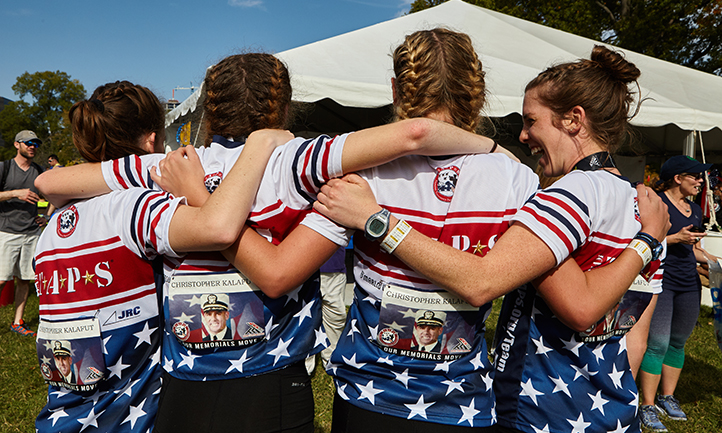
<point x="393" y="90"/>
<point x="574" y="120"/>
<point x="149" y="143"/>
<point x="678" y="179"/>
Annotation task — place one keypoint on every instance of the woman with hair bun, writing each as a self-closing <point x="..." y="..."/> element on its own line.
<point x="560" y="361"/>
<point x="97" y="279"/>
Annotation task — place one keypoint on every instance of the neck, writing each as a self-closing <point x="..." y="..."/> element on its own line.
<point x="675" y="194"/>
<point x="22" y="161"/>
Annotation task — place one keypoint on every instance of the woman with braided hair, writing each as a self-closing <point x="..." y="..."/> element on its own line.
<point x="274" y="322"/>
<point x="560" y="342"/>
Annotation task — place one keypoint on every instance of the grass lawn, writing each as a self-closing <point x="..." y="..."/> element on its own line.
<point x="22" y="393"/>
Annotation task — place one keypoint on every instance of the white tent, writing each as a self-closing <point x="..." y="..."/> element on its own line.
<point x="354" y="70"/>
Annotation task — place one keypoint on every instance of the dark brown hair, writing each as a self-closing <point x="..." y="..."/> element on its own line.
<point x="600" y="86"/>
<point x="115" y="120"/>
<point x="244" y="93"/>
<point x="439" y="70"/>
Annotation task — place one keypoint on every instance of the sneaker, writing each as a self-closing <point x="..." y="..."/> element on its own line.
<point x="21" y="329"/>
<point x="668" y="405"/>
<point x="650" y="418"/>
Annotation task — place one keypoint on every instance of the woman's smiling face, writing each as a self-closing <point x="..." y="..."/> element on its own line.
<point x="544" y="134"/>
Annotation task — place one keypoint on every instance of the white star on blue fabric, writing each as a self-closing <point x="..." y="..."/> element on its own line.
<point x="185" y="318"/>
<point x="370" y="299"/>
<point x="45" y="360"/>
<point x="598" y="401"/>
<point x="341" y="390"/>
<point x="451" y="386"/>
<point x="622" y="345"/>
<point x="90" y="420"/>
<point x="96" y="397"/>
<point x="527" y="389"/>
<point x="57" y="414"/>
<point x="468" y="413"/>
<point x="106" y="340"/>
<point x="488" y="380"/>
<point x="237" y="364"/>
<point x="418" y="408"/>
<point x="188" y="360"/>
<point x="368" y="392"/>
<point x="154" y="359"/>
<point x="599" y="352"/>
<point x="619" y="428"/>
<point x="396" y="326"/>
<point x="583" y="371"/>
<point x="352" y="362"/>
<point x="373" y="332"/>
<point x="61" y="392"/>
<point x="320" y="337"/>
<point x="352" y="329"/>
<point x="280" y="350"/>
<point x="573" y="345"/>
<point x="128" y="390"/>
<point x="560" y="386"/>
<point x="168" y="364"/>
<point x="541" y="349"/>
<point x="117" y="369"/>
<point x="544" y="429"/>
<point x="579" y="425"/>
<point x="409" y="313"/>
<point x="443" y="366"/>
<point x="403" y="377"/>
<point x="49" y="345"/>
<point x="135" y="413"/>
<point x="269" y="328"/>
<point x="385" y="360"/>
<point x="616" y="376"/>
<point x="194" y="300"/>
<point x="144" y="335"/>
<point x="635" y="401"/>
<point x="476" y="361"/>
<point x="304" y="312"/>
<point x="292" y="295"/>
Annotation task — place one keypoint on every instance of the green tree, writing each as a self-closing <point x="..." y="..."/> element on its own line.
<point x="44" y="99"/>
<point x="688" y="33"/>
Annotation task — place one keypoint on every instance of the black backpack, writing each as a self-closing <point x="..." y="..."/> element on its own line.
<point x="6" y="170"/>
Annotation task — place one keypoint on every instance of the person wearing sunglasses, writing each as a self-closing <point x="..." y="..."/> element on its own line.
<point x="20" y="224"/>
<point x="678" y="305"/>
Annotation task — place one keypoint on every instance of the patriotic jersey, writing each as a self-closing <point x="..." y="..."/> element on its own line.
<point x="584" y="377"/>
<point x="379" y="363"/>
<point x="99" y="311"/>
<point x="261" y="334"/>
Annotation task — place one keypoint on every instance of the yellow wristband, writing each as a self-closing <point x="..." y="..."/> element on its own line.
<point x="642" y="249"/>
<point x="395" y="236"/>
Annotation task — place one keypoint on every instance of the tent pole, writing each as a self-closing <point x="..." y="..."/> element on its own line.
<point x="710" y="195"/>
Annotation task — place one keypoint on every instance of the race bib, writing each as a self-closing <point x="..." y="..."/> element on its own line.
<point x="71" y="353"/>
<point x="437" y="326"/>
<point x="215" y="310"/>
<point x="620" y="319"/>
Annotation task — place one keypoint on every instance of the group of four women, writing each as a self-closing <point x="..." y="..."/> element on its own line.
<point x="136" y="296"/>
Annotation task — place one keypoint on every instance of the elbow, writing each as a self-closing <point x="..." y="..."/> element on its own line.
<point x="219" y="238"/>
<point x="578" y="320"/>
<point x="417" y="131"/>
<point x="43" y="183"/>
<point x="274" y="285"/>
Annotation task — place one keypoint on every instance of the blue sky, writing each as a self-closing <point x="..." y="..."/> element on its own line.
<point x="164" y="44"/>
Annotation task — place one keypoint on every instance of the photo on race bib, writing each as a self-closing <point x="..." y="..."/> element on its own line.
<point x="619" y="320"/>
<point x="425" y="325"/>
<point x="71" y="354"/>
<point x="213" y="310"/>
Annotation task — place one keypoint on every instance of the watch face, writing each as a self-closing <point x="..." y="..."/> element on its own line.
<point x="376" y="227"/>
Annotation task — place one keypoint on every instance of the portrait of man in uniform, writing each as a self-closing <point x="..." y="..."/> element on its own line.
<point x="215" y="317"/>
<point x="428" y="327"/>
<point x="62" y="354"/>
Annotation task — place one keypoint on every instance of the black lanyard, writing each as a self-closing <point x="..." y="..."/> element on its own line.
<point x="596" y="161"/>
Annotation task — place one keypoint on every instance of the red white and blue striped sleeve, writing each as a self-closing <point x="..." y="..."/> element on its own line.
<point x="315" y="162"/>
<point x="132" y="171"/>
<point x="151" y="213"/>
<point x="559" y="215"/>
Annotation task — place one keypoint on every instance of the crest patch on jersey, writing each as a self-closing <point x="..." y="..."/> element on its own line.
<point x="212" y="181"/>
<point x="67" y="221"/>
<point x="445" y="182"/>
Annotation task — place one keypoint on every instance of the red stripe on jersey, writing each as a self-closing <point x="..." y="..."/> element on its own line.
<point x="325" y="157"/>
<point x="564" y="205"/>
<point x="139" y="171"/>
<point x="413" y="212"/>
<point x="608" y="237"/>
<point x="281" y="224"/>
<point x="74" y="249"/>
<point x="303" y="175"/>
<point x="550" y="226"/>
<point x="258" y="215"/>
<point x="153" y="237"/>
<point x="395" y="274"/>
<point x="118" y="176"/>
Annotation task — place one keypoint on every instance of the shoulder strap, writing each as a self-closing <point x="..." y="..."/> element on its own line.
<point x="6" y="169"/>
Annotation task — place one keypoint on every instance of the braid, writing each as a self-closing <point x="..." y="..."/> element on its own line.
<point x="438" y="70"/>
<point x="244" y="93"/>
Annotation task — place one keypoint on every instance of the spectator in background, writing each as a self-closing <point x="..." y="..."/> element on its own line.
<point x="678" y="305"/>
<point x="53" y="161"/>
<point x="333" y="284"/>
<point x="20" y="224"/>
